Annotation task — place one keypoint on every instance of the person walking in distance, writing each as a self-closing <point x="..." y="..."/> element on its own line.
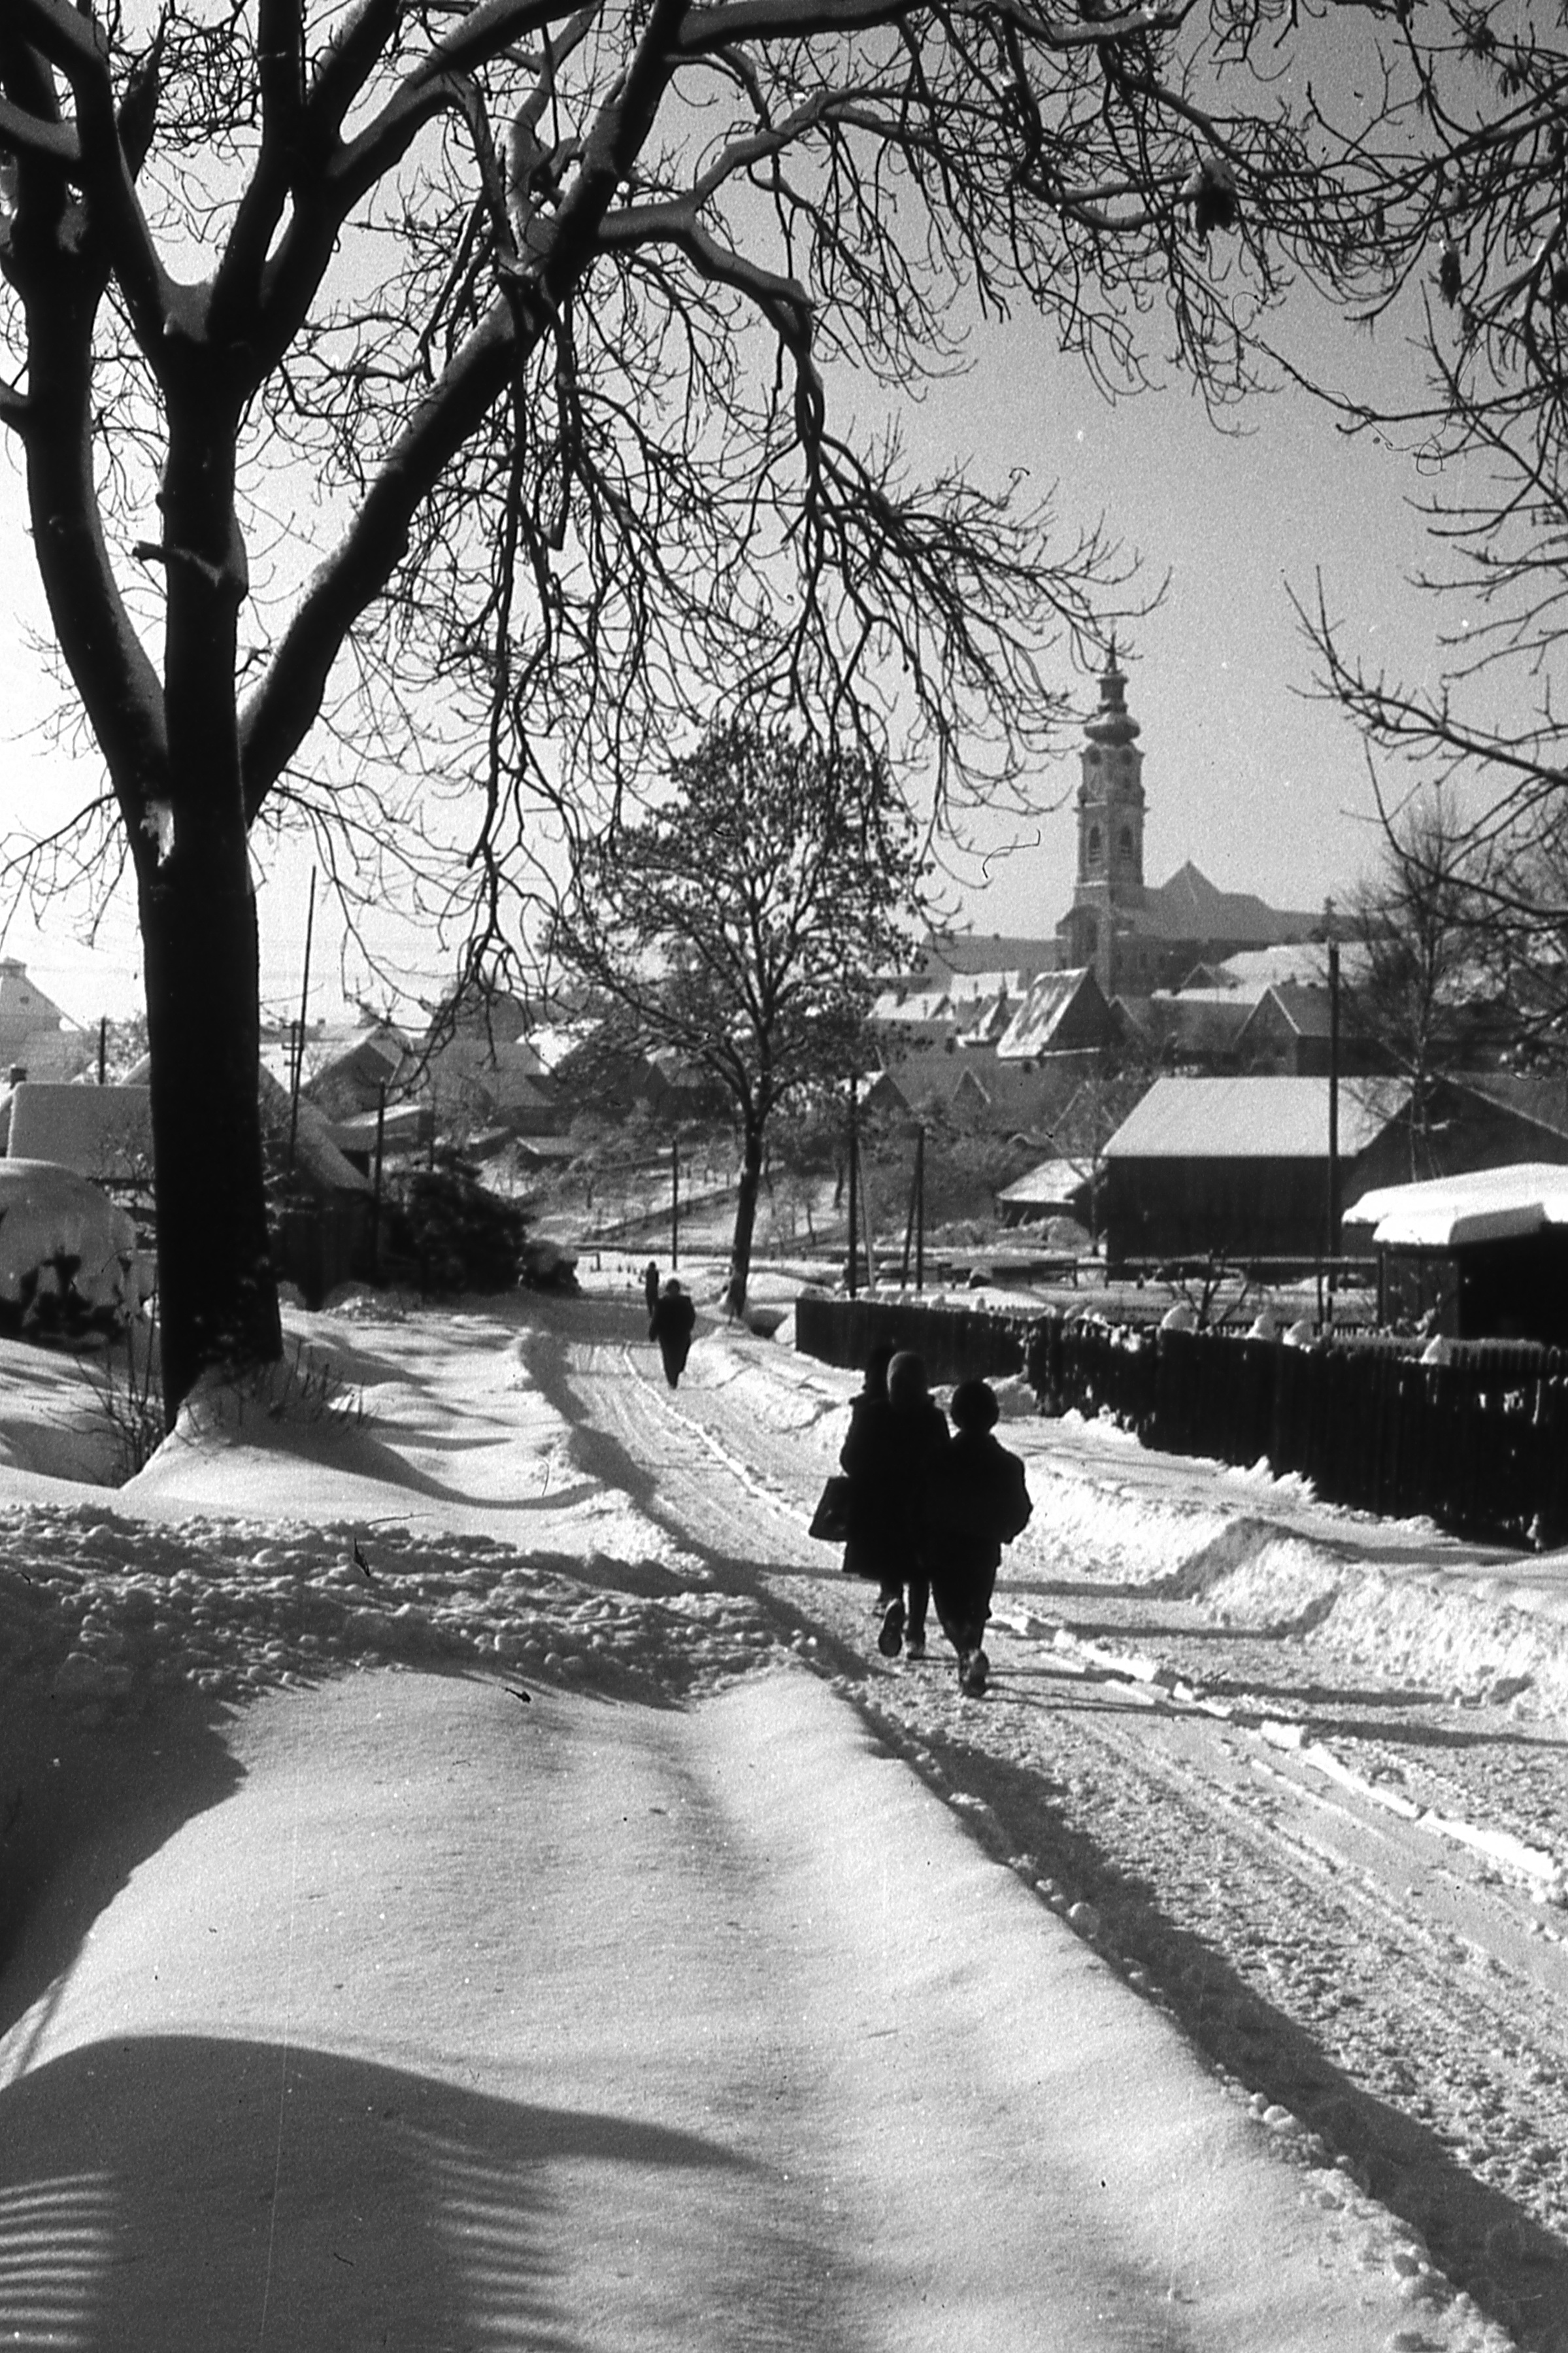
<point x="981" y="1503"/>
<point x="671" y="1325"/>
<point x="650" y="1289"/>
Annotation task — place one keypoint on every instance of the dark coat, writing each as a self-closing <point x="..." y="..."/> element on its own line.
<point x="890" y="1456"/>
<point x="980" y="1502"/>
<point x="671" y="1325"/>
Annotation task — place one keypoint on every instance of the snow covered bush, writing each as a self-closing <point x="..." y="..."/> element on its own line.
<point x="68" y="1259"/>
<point x="447" y="1233"/>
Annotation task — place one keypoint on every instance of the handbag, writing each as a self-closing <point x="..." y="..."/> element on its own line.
<point x="830" y="1521"/>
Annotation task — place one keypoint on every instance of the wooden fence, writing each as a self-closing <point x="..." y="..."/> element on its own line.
<point x="956" y="1344"/>
<point x="1479" y="1443"/>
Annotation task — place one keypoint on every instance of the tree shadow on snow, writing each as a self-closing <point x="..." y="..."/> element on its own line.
<point x="172" y="2192"/>
<point x="79" y="1808"/>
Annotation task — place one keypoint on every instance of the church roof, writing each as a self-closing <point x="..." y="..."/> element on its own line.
<point x="985" y="952"/>
<point x="1190" y="907"/>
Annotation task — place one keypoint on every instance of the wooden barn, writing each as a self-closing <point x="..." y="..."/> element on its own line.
<point x="1240" y="1167"/>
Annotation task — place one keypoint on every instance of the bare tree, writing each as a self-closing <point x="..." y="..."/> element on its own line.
<point x="1455" y="169"/>
<point x="744" y="923"/>
<point x="416" y="395"/>
<point x="1420" y="924"/>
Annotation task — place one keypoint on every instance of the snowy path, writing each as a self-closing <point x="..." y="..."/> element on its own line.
<point x="599" y="2022"/>
<point x="1401" y="1991"/>
<point x="590" y="2027"/>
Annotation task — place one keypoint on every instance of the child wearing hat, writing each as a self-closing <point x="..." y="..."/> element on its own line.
<point x="982" y="1502"/>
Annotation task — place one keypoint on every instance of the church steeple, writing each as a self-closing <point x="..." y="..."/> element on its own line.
<point x="1100" y="928"/>
<point x="1110" y="796"/>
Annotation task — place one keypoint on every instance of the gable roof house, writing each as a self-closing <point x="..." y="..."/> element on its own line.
<point x="36" y="1038"/>
<point x="352" y="1069"/>
<point x="1196" y="1030"/>
<point x="1288" y="1034"/>
<point x="1063" y="1013"/>
<point x="1238" y="1167"/>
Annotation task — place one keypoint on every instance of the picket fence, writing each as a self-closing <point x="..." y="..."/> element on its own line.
<point x="1479" y="1443"/>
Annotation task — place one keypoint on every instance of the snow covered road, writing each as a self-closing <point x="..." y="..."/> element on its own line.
<point x="666" y="2005"/>
<point x="1328" y="1936"/>
<point x="581" y="2026"/>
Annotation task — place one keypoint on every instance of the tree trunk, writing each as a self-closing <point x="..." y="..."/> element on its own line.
<point x="218" y="1298"/>
<point x="745" y="1221"/>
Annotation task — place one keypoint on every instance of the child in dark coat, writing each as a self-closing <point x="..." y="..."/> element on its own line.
<point x="982" y="1501"/>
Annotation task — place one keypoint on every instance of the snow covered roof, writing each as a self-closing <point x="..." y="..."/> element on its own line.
<point x="1487" y="1205"/>
<point x="1309" y="1012"/>
<point x="1052" y="1181"/>
<point x="1542" y="1100"/>
<point x="1032" y="1028"/>
<point x="1253" y="1118"/>
<point x="98" y="1131"/>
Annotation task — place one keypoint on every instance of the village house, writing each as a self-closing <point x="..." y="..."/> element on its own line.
<point x="36" y="1041"/>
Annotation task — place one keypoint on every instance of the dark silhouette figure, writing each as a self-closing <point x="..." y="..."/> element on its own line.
<point x="650" y="1290"/>
<point x="980" y="1502"/>
<point x="896" y="1435"/>
<point x="671" y="1325"/>
<point x="863" y="1460"/>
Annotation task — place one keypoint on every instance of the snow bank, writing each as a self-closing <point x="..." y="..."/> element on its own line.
<point x="1473" y="1635"/>
<point x="102" y="1613"/>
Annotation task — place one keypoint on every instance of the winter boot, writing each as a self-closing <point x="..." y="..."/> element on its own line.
<point x="974" y="1668"/>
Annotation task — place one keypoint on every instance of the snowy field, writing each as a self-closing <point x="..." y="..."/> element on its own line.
<point x="414" y="1840"/>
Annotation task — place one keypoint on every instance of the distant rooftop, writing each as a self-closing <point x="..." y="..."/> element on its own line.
<point x="1254" y="1119"/>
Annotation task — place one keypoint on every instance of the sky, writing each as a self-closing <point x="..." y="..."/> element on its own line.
<point x="1247" y="771"/>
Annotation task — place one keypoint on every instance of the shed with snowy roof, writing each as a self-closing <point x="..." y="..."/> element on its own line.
<point x="1053" y="1188"/>
<point x="1479" y="1256"/>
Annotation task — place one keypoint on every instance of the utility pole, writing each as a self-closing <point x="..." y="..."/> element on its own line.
<point x="854" y="1181"/>
<point x="919" y="1209"/>
<point x="1333" y="1107"/>
<point x="300" y="1041"/>
<point x="674" y="1203"/>
<point x="102" y="1048"/>
<point x="376" y="1200"/>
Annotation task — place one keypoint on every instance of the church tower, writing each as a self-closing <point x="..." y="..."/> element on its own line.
<point x="1110" y="833"/>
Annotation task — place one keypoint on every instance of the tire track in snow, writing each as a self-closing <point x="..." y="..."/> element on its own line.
<point x="1283" y="1927"/>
